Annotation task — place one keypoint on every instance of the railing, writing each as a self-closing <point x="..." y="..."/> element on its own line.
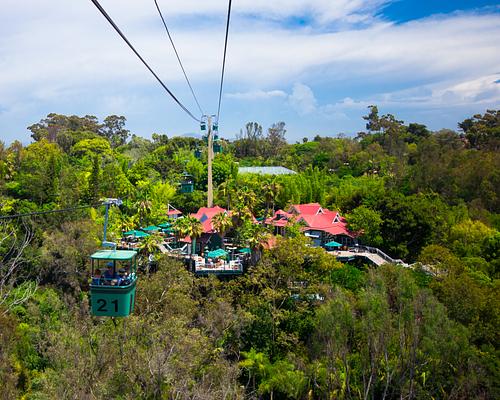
<point x="377" y="251"/>
<point x="115" y="281"/>
<point x="178" y="248"/>
<point x="231" y="267"/>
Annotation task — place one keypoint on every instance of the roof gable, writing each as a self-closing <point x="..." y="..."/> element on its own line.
<point x="314" y="217"/>
<point x="205" y="215"/>
<point x="310" y="208"/>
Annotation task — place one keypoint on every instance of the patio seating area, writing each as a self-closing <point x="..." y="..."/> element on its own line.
<point x="207" y="265"/>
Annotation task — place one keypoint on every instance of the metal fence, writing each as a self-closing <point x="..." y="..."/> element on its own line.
<point x="374" y="250"/>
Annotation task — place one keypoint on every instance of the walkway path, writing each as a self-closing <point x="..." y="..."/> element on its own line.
<point x="372" y="257"/>
<point x="378" y="257"/>
<point x="162" y="248"/>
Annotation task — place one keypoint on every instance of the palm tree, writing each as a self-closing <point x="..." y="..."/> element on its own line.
<point x="226" y="190"/>
<point x="189" y="226"/>
<point x="150" y="243"/>
<point x="246" y="200"/>
<point x="255" y="236"/>
<point x="271" y="190"/>
<point x="222" y="222"/>
<point x="127" y="223"/>
<point x="248" y="197"/>
<point x="144" y="208"/>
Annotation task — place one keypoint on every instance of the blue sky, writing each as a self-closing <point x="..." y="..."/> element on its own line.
<point x="316" y="65"/>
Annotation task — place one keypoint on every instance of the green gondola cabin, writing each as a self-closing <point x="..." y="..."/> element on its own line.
<point x="217" y="147"/>
<point x="114" y="278"/>
<point x="187" y="183"/>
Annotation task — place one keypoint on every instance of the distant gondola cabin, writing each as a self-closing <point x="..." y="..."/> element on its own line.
<point x="217" y="147"/>
<point x="187" y="183"/>
<point x="114" y="277"/>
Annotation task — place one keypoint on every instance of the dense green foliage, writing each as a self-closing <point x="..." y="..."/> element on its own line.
<point x="298" y="324"/>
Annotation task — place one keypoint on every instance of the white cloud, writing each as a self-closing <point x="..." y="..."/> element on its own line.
<point x="479" y="91"/>
<point x="76" y="49"/>
<point x="302" y="99"/>
<point x="257" y="95"/>
<point x="50" y="53"/>
<point x="485" y="90"/>
<point x="144" y="12"/>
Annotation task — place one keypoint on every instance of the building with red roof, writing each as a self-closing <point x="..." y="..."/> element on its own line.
<point x="318" y="223"/>
<point x="209" y="238"/>
<point x="205" y="215"/>
<point x="172" y="212"/>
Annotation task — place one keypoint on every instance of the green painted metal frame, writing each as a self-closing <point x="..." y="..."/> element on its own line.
<point x="108" y="300"/>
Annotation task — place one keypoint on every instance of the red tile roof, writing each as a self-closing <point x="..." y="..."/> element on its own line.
<point x="279" y="222"/>
<point x="174" y="212"/>
<point x="309" y="209"/>
<point x="209" y="212"/>
<point x="205" y="215"/>
<point x="314" y="217"/>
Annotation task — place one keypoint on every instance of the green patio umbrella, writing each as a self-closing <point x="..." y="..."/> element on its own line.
<point x="165" y="225"/>
<point x="150" y="228"/>
<point x="217" y="253"/>
<point x="333" y="243"/>
<point x="245" y="250"/>
<point x="137" y="234"/>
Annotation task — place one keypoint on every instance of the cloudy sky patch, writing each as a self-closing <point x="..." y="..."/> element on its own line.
<point x="307" y="63"/>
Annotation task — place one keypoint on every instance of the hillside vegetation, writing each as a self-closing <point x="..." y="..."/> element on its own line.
<point x="298" y="324"/>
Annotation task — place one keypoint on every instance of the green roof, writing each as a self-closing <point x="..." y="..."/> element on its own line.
<point x="121" y="255"/>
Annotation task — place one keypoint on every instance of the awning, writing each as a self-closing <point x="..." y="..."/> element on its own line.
<point x="333" y="243"/>
<point x="110" y="255"/>
<point x="311" y="235"/>
<point x="138" y="234"/>
<point x="217" y="253"/>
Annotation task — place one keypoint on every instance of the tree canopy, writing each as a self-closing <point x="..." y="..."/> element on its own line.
<point x="298" y="323"/>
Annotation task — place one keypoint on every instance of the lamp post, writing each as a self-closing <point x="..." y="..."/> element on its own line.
<point x="210" y="189"/>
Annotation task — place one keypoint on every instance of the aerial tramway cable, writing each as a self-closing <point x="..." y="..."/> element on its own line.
<point x="108" y="18"/>
<point x="178" y="57"/>
<point x="61" y="210"/>
<point x="224" y="58"/>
